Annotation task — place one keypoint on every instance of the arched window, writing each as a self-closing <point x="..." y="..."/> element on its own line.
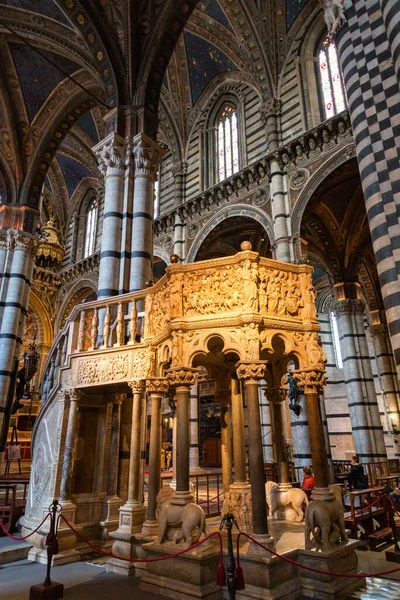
<point x="331" y="82"/>
<point x="227" y="142"/>
<point x="90" y="229"/>
<point x="336" y="341"/>
<point x="157" y="196"/>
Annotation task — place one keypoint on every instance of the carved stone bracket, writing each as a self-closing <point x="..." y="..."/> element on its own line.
<point x="73" y="394"/>
<point x="137" y="386"/>
<point x="270" y="108"/>
<point x="380" y="330"/>
<point x="182" y="377"/>
<point x="311" y="380"/>
<point x="334" y="15"/>
<point x="157" y="385"/>
<point x="251" y="372"/>
<point x="118" y="398"/>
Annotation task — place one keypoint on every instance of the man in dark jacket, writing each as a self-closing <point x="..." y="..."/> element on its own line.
<point x="357" y="477"/>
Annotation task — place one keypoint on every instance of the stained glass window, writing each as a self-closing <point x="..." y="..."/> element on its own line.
<point x="90" y="229"/>
<point x="333" y="94"/>
<point x="227" y="143"/>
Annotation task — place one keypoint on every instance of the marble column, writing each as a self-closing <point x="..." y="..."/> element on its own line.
<point x="67" y="477"/>
<point x="301" y="435"/>
<point x="270" y="111"/>
<point x="156" y="387"/>
<point x="194" y="430"/>
<point x="112" y="501"/>
<point x="388" y="386"/>
<point x="363" y="406"/>
<point x="181" y="379"/>
<point x="239" y="448"/>
<point x="226" y="440"/>
<point x="251" y="373"/>
<point x="312" y="381"/>
<point x="132" y="513"/>
<point x="266" y="427"/>
<point x="276" y="398"/>
<point x="111" y="156"/>
<point x="17" y="250"/>
<point x="147" y="155"/>
<point x="179" y="171"/>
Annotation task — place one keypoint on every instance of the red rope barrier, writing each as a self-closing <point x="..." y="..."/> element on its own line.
<point x="21" y="539"/>
<point x="301" y="566"/>
<point x="360" y="512"/>
<point x="143" y="560"/>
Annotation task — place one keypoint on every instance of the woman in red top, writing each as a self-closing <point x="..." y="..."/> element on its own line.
<point x="308" y="482"/>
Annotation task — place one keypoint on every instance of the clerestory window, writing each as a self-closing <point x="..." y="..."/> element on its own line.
<point x="331" y="82"/>
<point x="90" y="228"/>
<point x="227" y="142"/>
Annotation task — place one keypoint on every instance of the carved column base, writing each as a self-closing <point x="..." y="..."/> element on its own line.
<point x="284" y="487"/>
<point x="131" y="519"/>
<point x="185" y="577"/>
<point x="110" y="508"/>
<point x="238" y="502"/>
<point x="322" y="494"/>
<point x="267" y="576"/>
<point x="326" y="587"/>
<point x="150" y="528"/>
<point x="266" y="539"/>
<point x="129" y="546"/>
<point x="181" y="498"/>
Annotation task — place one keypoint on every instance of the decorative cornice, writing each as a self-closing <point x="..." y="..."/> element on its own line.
<point x="157" y="385"/>
<point x="85" y="266"/>
<point x="252" y="371"/>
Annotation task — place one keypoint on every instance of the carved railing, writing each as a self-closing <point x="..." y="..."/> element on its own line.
<point x="289" y="155"/>
<point x="79" y="269"/>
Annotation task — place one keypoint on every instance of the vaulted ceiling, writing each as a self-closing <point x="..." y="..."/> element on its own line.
<point x="48" y="124"/>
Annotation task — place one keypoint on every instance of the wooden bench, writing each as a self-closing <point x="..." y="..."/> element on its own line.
<point x="379" y="537"/>
<point x="11" y="509"/>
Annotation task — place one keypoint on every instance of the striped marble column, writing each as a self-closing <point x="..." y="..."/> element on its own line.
<point x="179" y="174"/>
<point x="391" y="11"/>
<point x="280" y="210"/>
<point x="17" y="250"/>
<point x="194" y="430"/>
<point x="301" y="435"/>
<point x="111" y="156"/>
<point x="362" y="401"/>
<point x="147" y="155"/>
<point x="266" y="432"/>
<point x="388" y="385"/>
<point x="179" y="235"/>
<point x="368" y="52"/>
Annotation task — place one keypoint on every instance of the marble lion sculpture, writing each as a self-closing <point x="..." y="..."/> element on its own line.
<point x="325" y="525"/>
<point x="181" y="524"/>
<point x="276" y="499"/>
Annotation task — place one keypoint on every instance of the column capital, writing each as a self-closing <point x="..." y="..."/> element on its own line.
<point x="348" y="306"/>
<point x="179" y="168"/>
<point x="275" y="395"/>
<point x="157" y="385"/>
<point x="270" y="108"/>
<point x="251" y="371"/>
<point x="19" y="240"/>
<point x="182" y="377"/>
<point x="138" y="386"/>
<point x="73" y="395"/>
<point x="380" y="330"/>
<point x="110" y="153"/>
<point x="147" y="154"/>
<point x="117" y="399"/>
<point x="311" y="381"/>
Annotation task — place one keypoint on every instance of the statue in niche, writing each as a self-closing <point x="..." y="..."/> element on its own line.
<point x="251" y="341"/>
<point x="293" y="394"/>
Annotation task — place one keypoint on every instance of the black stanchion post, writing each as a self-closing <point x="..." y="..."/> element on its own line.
<point x="229" y="520"/>
<point x="49" y="590"/>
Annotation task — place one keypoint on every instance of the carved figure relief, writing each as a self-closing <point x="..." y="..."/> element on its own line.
<point x="103" y="369"/>
<point x="213" y="292"/>
<point x="240" y="506"/>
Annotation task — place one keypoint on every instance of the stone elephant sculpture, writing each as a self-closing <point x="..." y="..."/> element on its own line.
<point x="182" y="522"/>
<point x="325" y="525"/>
